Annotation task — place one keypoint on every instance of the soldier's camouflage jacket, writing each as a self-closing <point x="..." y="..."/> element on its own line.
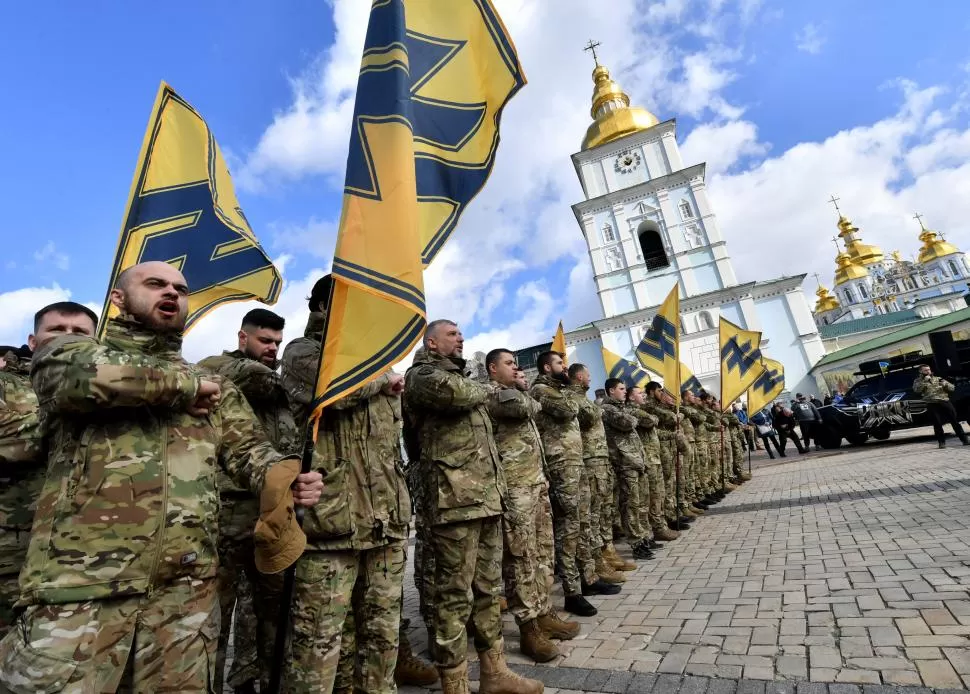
<point x="590" y="424"/>
<point x="558" y="422"/>
<point x="261" y="387"/>
<point x="22" y="462"/>
<point x="450" y="433"/>
<point x="666" y="416"/>
<point x="623" y="441"/>
<point x="130" y="501"/>
<point x="933" y="388"/>
<point x="516" y="435"/>
<point x="712" y="423"/>
<point x="647" y="429"/>
<point x="365" y="501"/>
<point x="691" y="422"/>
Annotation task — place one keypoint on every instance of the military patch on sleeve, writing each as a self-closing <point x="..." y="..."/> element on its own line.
<point x="506" y="395"/>
<point x="189" y="558"/>
<point x="425" y="370"/>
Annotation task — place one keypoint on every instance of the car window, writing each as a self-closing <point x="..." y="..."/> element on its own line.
<point x="893" y="381"/>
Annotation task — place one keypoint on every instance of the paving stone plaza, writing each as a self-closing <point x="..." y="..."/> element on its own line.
<point x="831" y="573"/>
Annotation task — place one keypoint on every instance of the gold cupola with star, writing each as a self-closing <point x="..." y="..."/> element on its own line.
<point x="613" y="117"/>
<point x="847" y="269"/>
<point x="826" y="301"/>
<point x="933" y="247"/>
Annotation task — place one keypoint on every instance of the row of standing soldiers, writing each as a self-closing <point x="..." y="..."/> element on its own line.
<point x="511" y="485"/>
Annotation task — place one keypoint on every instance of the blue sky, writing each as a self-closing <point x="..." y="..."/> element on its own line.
<point x="788" y="102"/>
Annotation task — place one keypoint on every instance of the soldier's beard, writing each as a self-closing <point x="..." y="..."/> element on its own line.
<point x="144" y="312"/>
<point x="562" y="377"/>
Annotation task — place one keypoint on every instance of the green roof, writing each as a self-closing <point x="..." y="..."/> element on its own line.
<point x="925" y="326"/>
<point x="859" y="325"/>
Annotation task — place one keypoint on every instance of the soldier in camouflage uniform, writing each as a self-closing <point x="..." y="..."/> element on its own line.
<point x="713" y="426"/>
<point x="568" y="486"/>
<point x="464" y="491"/>
<point x="727" y="447"/>
<point x="655" y="491"/>
<point x="347" y="601"/>
<point x="691" y="424"/>
<point x="596" y="458"/>
<point x="737" y="450"/>
<point x="626" y="456"/>
<point x="254" y="597"/>
<point x="520" y="449"/>
<point x="658" y="403"/>
<point x="935" y="391"/>
<point x="22" y="460"/>
<point x="122" y="558"/>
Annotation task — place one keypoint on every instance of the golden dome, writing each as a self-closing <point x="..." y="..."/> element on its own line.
<point x="859" y="252"/>
<point x="933" y="246"/>
<point x="613" y="117"/>
<point x="848" y="269"/>
<point x="826" y="302"/>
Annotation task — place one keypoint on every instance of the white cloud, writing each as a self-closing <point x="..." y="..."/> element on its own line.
<point x="809" y="39"/>
<point x="49" y="255"/>
<point x="722" y="145"/>
<point x="18" y="308"/>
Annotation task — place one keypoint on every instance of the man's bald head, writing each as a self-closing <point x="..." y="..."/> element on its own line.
<point x="443" y="337"/>
<point x="155" y="293"/>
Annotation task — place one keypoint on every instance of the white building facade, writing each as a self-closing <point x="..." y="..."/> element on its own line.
<point x="648" y="224"/>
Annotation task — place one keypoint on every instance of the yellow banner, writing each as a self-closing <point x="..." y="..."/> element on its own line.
<point x="766" y="387"/>
<point x="630" y="373"/>
<point x="182" y="210"/>
<point x="559" y="343"/>
<point x="659" y="350"/>
<point x="433" y="81"/>
<point x="740" y="361"/>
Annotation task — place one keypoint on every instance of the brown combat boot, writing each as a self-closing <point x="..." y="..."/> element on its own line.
<point x="746" y="476"/>
<point x="496" y="678"/>
<point x="555" y="627"/>
<point x="454" y="680"/>
<point x="730" y="487"/>
<point x="411" y="670"/>
<point x="535" y="643"/>
<point x="615" y="560"/>
<point x="688" y="512"/>
<point x="607" y="572"/>
<point x="665" y="535"/>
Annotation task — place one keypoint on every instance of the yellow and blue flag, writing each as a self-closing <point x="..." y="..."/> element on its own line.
<point x="433" y="81"/>
<point x="182" y="210"/>
<point x="659" y="350"/>
<point x="766" y="387"/>
<point x="688" y="381"/>
<point x="630" y="373"/>
<point x="741" y="361"/>
<point x="559" y="342"/>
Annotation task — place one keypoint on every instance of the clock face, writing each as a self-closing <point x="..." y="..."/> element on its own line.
<point x="626" y="162"/>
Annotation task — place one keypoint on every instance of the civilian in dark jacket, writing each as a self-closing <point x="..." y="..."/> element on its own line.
<point x="762" y="424"/>
<point x="784" y="422"/>
<point x="808" y="418"/>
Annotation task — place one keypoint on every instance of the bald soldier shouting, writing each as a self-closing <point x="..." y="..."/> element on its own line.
<point x="121" y="566"/>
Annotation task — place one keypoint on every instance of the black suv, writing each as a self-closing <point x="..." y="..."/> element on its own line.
<point x="884" y="402"/>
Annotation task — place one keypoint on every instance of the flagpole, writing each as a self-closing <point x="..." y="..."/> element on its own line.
<point x="677" y="436"/>
<point x="289" y="576"/>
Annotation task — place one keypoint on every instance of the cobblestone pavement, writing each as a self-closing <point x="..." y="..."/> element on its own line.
<point x="832" y="573"/>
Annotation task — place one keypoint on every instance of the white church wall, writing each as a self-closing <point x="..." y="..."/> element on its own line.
<point x="732" y="312"/>
<point x="707" y="279"/>
<point x="624" y="299"/>
<point x="655" y="160"/>
<point x="784" y="343"/>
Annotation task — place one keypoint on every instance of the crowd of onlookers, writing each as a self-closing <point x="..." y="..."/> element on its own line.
<point x="778" y="424"/>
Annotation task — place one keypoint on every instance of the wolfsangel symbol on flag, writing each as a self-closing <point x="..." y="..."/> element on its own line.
<point x="433" y="81"/>
<point x="182" y="210"/>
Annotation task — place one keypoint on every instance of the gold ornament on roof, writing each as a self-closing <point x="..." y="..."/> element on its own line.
<point x="859" y="252"/>
<point x="847" y="269"/>
<point x="613" y="117"/>
<point x="933" y="246"/>
<point x="826" y="302"/>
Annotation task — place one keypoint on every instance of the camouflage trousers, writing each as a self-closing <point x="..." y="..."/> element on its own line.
<point x="737" y="452"/>
<point x="600" y="499"/>
<point x="526" y="586"/>
<point x="346" y="614"/>
<point x="727" y="452"/>
<point x="668" y="461"/>
<point x="253" y="597"/>
<point x="13" y="551"/>
<point x="652" y="491"/>
<point x="630" y="483"/>
<point x="423" y="557"/>
<point x="569" y="494"/>
<point x="165" y="642"/>
<point x="702" y="467"/>
<point x="714" y="472"/>
<point x="546" y="543"/>
<point x="608" y="504"/>
<point x="468" y="577"/>
<point x="687" y="474"/>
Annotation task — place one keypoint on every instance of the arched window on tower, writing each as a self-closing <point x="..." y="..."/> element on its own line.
<point x="863" y="292"/>
<point x="686" y="211"/>
<point x="704" y="321"/>
<point x="652" y="245"/>
<point x="849" y="296"/>
<point x="609" y="236"/>
<point x="954" y="268"/>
